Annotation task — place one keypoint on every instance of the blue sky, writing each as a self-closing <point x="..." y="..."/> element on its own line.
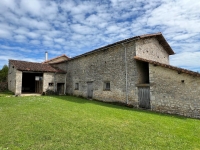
<point x="28" y="28"/>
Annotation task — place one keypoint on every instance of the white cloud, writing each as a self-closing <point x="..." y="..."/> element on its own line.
<point x="33" y="7"/>
<point x="36" y="42"/>
<point x="187" y="60"/>
<point x="82" y="29"/>
<point x="5" y="34"/>
<point x="33" y="23"/>
<point x="20" y="38"/>
<point x="74" y="27"/>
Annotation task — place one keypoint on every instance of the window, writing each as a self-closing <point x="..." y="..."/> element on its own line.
<point x="107" y="86"/>
<point x="50" y="84"/>
<point x="76" y="86"/>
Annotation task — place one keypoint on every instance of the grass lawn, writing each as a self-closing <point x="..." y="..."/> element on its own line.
<point x="6" y="93"/>
<point x="65" y="122"/>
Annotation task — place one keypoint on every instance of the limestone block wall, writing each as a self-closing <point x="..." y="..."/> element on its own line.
<point x="48" y="78"/>
<point x="14" y="80"/>
<point x="18" y="89"/>
<point x="52" y="78"/>
<point x="11" y="78"/>
<point x="100" y="67"/>
<point x="174" y="93"/>
<point x="150" y="49"/>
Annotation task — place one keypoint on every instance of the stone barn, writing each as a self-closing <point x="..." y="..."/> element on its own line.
<point x="134" y="71"/>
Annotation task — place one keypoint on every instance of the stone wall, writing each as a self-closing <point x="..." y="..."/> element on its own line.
<point x="18" y="83"/>
<point x="150" y="49"/>
<point x="12" y="78"/>
<point x="174" y="93"/>
<point x="100" y="67"/>
<point x="108" y="65"/>
<point x="52" y="78"/>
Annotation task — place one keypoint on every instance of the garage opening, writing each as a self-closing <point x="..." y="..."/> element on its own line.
<point x="32" y="82"/>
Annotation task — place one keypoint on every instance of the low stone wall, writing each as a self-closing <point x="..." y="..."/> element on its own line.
<point x="174" y="93"/>
<point x="3" y="86"/>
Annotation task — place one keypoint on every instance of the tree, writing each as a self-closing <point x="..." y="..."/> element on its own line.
<point x="4" y="74"/>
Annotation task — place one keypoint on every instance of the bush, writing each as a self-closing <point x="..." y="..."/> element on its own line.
<point x="3" y="86"/>
<point x="50" y="92"/>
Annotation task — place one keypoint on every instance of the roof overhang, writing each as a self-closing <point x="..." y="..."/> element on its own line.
<point x="179" y="70"/>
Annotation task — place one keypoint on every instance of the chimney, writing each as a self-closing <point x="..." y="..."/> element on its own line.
<point x="46" y="56"/>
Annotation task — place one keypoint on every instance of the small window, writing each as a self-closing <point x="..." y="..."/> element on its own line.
<point x="50" y="84"/>
<point x="107" y="86"/>
<point x="76" y="86"/>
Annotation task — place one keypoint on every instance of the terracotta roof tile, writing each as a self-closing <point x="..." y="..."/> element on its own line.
<point x="33" y="66"/>
<point x="180" y="70"/>
<point x="51" y="60"/>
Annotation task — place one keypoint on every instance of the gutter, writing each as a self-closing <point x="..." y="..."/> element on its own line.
<point x="126" y="72"/>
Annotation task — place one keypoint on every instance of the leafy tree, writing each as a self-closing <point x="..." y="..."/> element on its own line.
<point x="4" y="73"/>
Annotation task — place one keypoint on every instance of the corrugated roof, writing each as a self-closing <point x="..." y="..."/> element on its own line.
<point x="180" y="70"/>
<point x="33" y="66"/>
<point x="158" y="36"/>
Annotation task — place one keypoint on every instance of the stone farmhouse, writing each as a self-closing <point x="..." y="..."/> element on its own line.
<point x="134" y="71"/>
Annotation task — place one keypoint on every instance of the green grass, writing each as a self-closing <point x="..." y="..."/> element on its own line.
<point x="65" y="122"/>
<point x="6" y="93"/>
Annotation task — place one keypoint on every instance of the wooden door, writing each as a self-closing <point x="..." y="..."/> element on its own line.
<point x="38" y="86"/>
<point x="144" y="97"/>
<point x="90" y="89"/>
<point x="60" y="88"/>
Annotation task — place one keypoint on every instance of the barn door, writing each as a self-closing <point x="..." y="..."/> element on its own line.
<point x="90" y="89"/>
<point x="144" y="97"/>
<point x="60" y="88"/>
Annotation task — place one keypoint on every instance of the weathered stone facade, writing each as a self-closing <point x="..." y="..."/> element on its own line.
<point x="53" y="78"/>
<point x="150" y="49"/>
<point x="109" y="65"/>
<point x="14" y="80"/>
<point x="174" y="93"/>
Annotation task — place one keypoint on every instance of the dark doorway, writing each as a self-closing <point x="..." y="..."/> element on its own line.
<point x="143" y="72"/>
<point x="60" y="88"/>
<point x="144" y="97"/>
<point x="90" y="89"/>
<point x="32" y="82"/>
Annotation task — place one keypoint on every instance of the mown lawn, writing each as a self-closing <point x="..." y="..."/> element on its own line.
<point x="65" y="122"/>
<point x="6" y="93"/>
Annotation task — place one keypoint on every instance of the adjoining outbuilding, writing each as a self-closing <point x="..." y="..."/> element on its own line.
<point x="31" y="77"/>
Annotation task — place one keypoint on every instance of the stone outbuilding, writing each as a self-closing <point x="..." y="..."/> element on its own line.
<point x="31" y="77"/>
<point x="134" y="71"/>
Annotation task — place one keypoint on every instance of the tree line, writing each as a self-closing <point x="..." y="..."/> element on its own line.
<point x="4" y="74"/>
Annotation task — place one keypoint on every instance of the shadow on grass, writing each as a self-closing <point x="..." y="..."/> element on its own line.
<point x="6" y="93"/>
<point x="115" y="105"/>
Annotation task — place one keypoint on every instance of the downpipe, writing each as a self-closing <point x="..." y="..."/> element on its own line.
<point x="126" y="71"/>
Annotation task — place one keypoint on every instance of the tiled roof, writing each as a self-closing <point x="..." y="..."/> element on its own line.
<point x="35" y="67"/>
<point x="53" y="59"/>
<point x="179" y="70"/>
<point x="158" y="36"/>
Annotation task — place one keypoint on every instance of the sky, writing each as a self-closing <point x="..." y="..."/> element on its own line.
<point x="28" y="28"/>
